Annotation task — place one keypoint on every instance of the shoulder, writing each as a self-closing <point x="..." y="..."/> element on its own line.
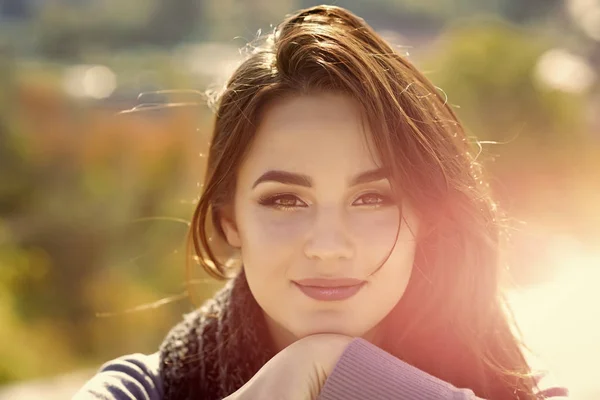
<point x="134" y="376"/>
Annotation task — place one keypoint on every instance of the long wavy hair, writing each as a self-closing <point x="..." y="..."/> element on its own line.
<point x="452" y="321"/>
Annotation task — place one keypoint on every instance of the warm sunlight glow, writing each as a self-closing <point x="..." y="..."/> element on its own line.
<point x="559" y="321"/>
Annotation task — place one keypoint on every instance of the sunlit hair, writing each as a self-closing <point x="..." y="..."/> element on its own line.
<point x="451" y="321"/>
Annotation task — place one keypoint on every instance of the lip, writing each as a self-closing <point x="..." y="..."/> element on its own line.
<point x="330" y="289"/>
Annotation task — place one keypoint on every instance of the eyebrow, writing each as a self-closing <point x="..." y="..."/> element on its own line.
<point x="291" y="178"/>
<point x="373" y="175"/>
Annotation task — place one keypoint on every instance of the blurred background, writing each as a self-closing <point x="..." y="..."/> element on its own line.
<point x="94" y="203"/>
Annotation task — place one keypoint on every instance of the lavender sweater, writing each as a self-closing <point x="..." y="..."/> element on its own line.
<point x="364" y="371"/>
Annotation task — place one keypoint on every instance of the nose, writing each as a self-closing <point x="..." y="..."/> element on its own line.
<point x="329" y="239"/>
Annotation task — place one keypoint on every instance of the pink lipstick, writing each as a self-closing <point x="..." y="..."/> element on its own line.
<point x="330" y="289"/>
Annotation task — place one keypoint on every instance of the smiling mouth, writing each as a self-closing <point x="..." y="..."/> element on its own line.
<point x="329" y="290"/>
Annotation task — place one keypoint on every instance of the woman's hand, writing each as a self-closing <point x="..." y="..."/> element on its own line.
<point x="298" y="372"/>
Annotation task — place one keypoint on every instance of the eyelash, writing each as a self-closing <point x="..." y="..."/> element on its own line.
<point x="271" y="201"/>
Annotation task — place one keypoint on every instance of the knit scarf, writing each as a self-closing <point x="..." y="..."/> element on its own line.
<point x="217" y="348"/>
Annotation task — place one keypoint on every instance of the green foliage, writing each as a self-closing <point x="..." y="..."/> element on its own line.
<point x="488" y="70"/>
<point x="83" y="193"/>
<point x="536" y="142"/>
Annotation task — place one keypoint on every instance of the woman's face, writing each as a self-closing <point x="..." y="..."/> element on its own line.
<point x="311" y="203"/>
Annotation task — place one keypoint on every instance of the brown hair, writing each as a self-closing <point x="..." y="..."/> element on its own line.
<point x="451" y="321"/>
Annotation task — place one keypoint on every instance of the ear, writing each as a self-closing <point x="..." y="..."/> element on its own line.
<point x="230" y="230"/>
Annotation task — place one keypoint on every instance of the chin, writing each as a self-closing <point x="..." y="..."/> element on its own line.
<point x="329" y="327"/>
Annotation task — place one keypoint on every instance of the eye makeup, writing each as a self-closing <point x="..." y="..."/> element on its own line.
<point x="282" y="201"/>
<point x="287" y="201"/>
<point x="373" y="200"/>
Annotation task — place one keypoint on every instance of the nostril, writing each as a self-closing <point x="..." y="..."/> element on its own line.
<point x="329" y="247"/>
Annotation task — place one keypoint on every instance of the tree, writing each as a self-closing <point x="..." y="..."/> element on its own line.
<point x="173" y="21"/>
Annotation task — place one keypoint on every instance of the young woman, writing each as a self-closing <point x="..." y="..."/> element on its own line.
<point x="368" y="243"/>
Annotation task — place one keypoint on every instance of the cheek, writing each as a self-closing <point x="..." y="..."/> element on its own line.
<point x="273" y="235"/>
<point x="276" y="226"/>
<point x="374" y="233"/>
<point x="379" y="242"/>
<point x="389" y="282"/>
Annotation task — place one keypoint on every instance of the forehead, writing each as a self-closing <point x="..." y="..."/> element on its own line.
<point x="312" y="134"/>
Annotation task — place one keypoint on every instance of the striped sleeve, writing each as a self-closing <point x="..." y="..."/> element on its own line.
<point x="132" y="377"/>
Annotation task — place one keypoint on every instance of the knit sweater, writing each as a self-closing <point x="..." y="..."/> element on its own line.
<point x="220" y="346"/>
<point x="364" y="371"/>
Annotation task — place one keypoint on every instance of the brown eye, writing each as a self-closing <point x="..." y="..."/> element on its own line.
<point x="283" y="202"/>
<point x="286" y="200"/>
<point x="372" y="199"/>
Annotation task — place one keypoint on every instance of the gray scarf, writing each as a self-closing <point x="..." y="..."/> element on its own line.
<point x="216" y="349"/>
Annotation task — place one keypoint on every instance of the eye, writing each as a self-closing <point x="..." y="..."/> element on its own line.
<point x="285" y="201"/>
<point x="372" y="200"/>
